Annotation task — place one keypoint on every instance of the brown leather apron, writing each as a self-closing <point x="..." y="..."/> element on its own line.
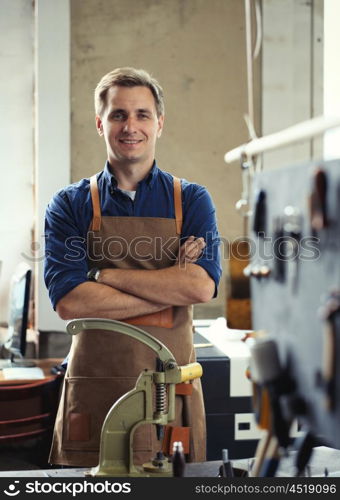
<point x="104" y="365"/>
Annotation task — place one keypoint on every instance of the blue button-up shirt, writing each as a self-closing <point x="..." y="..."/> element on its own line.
<point x="69" y="214"/>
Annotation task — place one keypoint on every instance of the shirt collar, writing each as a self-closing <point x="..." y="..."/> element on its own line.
<point x="149" y="179"/>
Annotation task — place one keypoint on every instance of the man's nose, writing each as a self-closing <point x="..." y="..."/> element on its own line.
<point x="129" y="125"/>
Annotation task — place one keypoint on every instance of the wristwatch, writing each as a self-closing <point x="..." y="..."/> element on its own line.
<point x="93" y="274"/>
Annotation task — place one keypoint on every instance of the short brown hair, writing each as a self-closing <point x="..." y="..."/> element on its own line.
<point x="127" y="77"/>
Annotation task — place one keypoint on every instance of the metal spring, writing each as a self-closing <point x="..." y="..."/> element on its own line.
<point x="160" y="398"/>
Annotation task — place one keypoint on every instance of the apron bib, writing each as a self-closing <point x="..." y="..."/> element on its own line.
<point x="104" y="365"/>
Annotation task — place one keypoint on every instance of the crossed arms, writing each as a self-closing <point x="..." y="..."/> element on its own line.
<point x="127" y="293"/>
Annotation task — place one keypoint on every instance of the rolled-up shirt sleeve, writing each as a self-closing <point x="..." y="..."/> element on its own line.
<point x="200" y="221"/>
<point x="65" y="249"/>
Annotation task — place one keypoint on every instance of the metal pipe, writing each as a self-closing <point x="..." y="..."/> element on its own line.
<point x="299" y="132"/>
<point x="249" y="62"/>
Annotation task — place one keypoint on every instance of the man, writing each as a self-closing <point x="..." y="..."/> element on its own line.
<point x="114" y="249"/>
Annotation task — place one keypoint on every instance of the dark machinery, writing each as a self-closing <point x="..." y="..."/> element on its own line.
<point x="295" y="289"/>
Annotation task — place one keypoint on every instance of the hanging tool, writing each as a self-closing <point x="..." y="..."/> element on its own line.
<point x="261" y="408"/>
<point x="260" y="214"/>
<point x="136" y="407"/>
<point x="318" y="201"/>
<point x="292" y="227"/>
<point x="271" y="374"/>
<point x="268" y="373"/>
<point x="330" y="313"/>
<point x="259" y="268"/>
<point x="305" y="446"/>
<point x="279" y="268"/>
<point x="272" y="459"/>
<point x="260" y="454"/>
<point x="262" y="413"/>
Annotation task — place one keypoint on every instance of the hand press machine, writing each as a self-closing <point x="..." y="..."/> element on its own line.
<point x="136" y="407"/>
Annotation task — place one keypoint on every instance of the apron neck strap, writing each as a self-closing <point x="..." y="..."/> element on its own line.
<point x="178" y="204"/>
<point x="97" y="216"/>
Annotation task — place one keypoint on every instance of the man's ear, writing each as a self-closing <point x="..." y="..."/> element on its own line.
<point x="99" y="125"/>
<point x="160" y="125"/>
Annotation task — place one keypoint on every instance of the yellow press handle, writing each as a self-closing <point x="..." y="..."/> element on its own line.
<point x="191" y="371"/>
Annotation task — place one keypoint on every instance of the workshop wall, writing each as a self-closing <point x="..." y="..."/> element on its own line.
<point x="196" y="49"/>
<point x="16" y="140"/>
<point x="292" y="74"/>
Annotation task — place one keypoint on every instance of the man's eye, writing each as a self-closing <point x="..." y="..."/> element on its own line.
<point x="118" y="116"/>
<point x="143" y="116"/>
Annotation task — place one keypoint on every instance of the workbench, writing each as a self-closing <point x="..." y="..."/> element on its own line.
<point x="322" y="458"/>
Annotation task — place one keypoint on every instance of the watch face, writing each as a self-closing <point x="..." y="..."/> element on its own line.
<point x="93" y="274"/>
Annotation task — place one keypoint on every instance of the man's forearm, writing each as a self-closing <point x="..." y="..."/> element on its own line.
<point x="101" y="301"/>
<point x="173" y="285"/>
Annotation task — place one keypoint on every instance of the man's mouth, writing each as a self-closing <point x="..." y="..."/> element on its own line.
<point x="130" y="141"/>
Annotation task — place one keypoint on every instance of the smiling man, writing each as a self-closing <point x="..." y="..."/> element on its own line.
<point x="134" y="244"/>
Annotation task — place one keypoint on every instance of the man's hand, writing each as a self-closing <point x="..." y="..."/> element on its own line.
<point x="190" y="251"/>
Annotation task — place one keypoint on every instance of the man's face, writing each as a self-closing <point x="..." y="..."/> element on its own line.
<point x="129" y="125"/>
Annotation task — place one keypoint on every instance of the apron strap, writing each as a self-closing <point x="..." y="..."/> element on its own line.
<point x="178" y="204"/>
<point x="97" y="216"/>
